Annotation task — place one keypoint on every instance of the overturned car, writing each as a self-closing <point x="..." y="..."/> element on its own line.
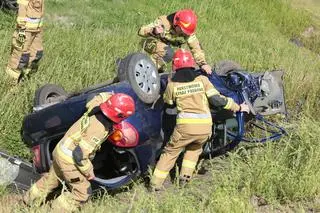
<point x="142" y="136"/>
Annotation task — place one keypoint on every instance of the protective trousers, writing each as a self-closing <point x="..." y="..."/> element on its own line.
<point x="179" y="140"/>
<point x="160" y="53"/>
<point x="59" y="173"/>
<point x="25" y="55"/>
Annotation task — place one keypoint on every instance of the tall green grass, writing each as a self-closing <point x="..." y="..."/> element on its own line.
<point x="82" y="44"/>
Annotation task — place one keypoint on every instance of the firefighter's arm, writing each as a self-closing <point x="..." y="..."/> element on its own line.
<point x="168" y="95"/>
<point x="22" y="13"/>
<point x="196" y="50"/>
<point x="217" y="100"/>
<point x="169" y="104"/>
<point x="150" y="29"/>
<point x="97" y="100"/>
<point x="84" y="153"/>
<point x="220" y="101"/>
<point x="82" y="161"/>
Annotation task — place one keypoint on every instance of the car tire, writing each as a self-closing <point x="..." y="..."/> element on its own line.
<point x="9" y="5"/>
<point x="142" y="74"/>
<point x="49" y="93"/>
<point x="122" y="67"/>
<point x="226" y="66"/>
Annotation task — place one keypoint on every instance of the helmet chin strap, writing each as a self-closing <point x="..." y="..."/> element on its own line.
<point x="94" y="111"/>
<point x="120" y="115"/>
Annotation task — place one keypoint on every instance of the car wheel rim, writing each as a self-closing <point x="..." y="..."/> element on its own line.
<point x="146" y="76"/>
<point x="52" y="97"/>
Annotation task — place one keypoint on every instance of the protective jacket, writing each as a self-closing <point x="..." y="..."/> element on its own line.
<point x="30" y="15"/>
<point x="191" y="99"/>
<point x="85" y="137"/>
<point x="170" y="37"/>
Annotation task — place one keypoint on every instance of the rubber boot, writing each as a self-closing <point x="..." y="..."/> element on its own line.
<point x="184" y="180"/>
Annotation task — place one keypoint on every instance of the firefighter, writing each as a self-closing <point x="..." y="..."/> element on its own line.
<point x="73" y="154"/>
<point x="27" y="49"/>
<point x="169" y="31"/>
<point x="190" y="94"/>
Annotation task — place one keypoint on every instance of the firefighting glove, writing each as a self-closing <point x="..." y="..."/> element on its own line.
<point x="158" y="31"/>
<point x="21" y="36"/>
<point x="77" y="155"/>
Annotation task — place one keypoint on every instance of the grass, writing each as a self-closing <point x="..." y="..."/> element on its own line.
<point x="82" y="43"/>
<point x="312" y="39"/>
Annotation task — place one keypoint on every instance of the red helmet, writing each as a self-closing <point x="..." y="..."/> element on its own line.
<point x="118" y="107"/>
<point x="182" y="59"/>
<point x="186" y="20"/>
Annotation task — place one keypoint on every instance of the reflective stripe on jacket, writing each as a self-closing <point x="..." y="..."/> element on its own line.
<point x="89" y="132"/>
<point x="191" y="100"/>
<point x="30" y="14"/>
<point x="193" y="118"/>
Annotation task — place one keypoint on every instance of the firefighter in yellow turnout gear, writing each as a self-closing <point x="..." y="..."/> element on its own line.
<point x="191" y="95"/>
<point x="27" y="48"/>
<point x="73" y="154"/>
<point x="173" y="30"/>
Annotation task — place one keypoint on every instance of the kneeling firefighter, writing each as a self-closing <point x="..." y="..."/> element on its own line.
<point x="73" y="154"/>
<point x="190" y="94"/>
